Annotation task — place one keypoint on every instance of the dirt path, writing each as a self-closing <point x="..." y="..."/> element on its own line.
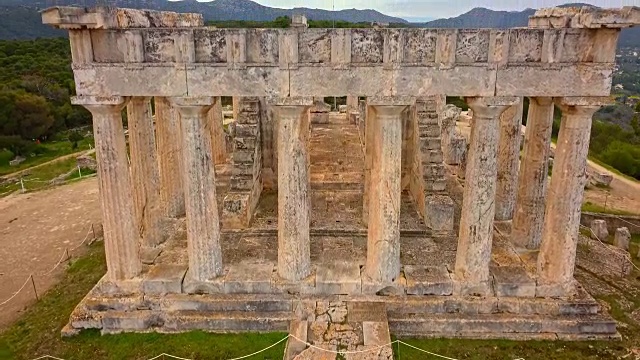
<point x="61" y="158"/>
<point x="35" y="230"/>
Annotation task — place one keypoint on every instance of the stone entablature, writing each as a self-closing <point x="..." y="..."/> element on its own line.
<point x="184" y="61"/>
<point x="585" y="17"/>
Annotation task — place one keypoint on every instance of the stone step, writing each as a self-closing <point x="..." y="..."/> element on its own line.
<point x="180" y="321"/>
<point x="501" y="325"/>
<point x="220" y="303"/>
<point x="227" y="321"/>
<point x="493" y="305"/>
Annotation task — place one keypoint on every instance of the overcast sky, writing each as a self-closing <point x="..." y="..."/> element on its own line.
<point x="435" y="8"/>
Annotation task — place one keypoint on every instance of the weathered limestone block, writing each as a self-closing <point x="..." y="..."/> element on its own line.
<point x="556" y="260"/>
<point x="476" y="221"/>
<point x="144" y="172"/>
<point x="338" y="278"/>
<point x="585" y="17"/>
<point x="600" y="179"/>
<point x="599" y="230"/>
<point x="512" y="281"/>
<point x="456" y="152"/>
<point x="428" y="280"/>
<point x="622" y="238"/>
<point x="203" y="225"/>
<point x="121" y="239"/>
<point x="439" y="212"/>
<point x="169" y="145"/>
<point x="383" y="244"/>
<point x="86" y="162"/>
<point x="508" y="161"/>
<point x="528" y="217"/>
<point x="294" y="206"/>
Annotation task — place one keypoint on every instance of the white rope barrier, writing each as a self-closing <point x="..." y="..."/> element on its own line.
<point x="289" y="336"/>
<point x="65" y="256"/>
<point x="17" y="292"/>
<point x="628" y="222"/>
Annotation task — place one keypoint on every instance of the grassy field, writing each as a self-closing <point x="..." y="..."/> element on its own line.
<point x="37" y="333"/>
<point x="39" y="177"/>
<point x="51" y="150"/>
<point x="591" y="207"/>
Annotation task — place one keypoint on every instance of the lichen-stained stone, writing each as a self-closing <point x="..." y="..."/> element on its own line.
<point x="159" y="46"/>
<point x="525" y="45"/>
<point x="367" y="45"/>
<point x="338" y="278"/>
<point x="244" y="278"/>
<point x="589" y="46"/>
<point x="428" y="280"/>
<point x="622" y="238"/>
<point x="599" y="230"/>
<point x="108" y="46"/>
<point x="262" y="46"/>
<point x="439" y="212"/>
<point x="512" y="281"/>
<point x="211" y="45"/>
<point x="314" y="46"/>
<point x="472" y="46"/>
<point x="419" y="46"/>
<point x="164" y="279"/>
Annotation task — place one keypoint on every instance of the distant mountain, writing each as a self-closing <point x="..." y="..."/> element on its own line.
<point x="486" y="18"/>
<point x="20" y="18"/>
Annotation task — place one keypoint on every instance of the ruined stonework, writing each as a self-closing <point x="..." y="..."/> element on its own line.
<point x="246" y="177"/>
<point x="356" y="206"/>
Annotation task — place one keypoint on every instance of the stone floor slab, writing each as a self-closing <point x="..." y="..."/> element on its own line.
<point x="512" y="281"/>
<point x="244" y="278"/>
<point x="338" y="278"/>
<point x="164" y="279"/>
<point x="149" y="255"/>
<point x="428" y="280"/>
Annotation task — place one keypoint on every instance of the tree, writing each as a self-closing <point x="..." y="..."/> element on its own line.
<point x="33" y="115"/>
<point x="74" y="138"/>
<point x="637" y="108"/>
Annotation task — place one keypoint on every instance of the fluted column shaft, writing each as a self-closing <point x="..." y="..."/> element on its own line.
<point x="169" y="142"/>
<point x="478" y="205"/>
<point x="528" y="216"/>
<point x="383" y="244"/>
<point x="121" y="239"/>
<point x="508" y="161"/>
<point x="144" y="171"/>
<point x="203" y="225"/>
<point x="294" y="202"/>
<point x="556" y="260"/>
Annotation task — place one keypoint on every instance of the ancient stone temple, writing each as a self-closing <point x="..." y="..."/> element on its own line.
<point x="357" y="214"/>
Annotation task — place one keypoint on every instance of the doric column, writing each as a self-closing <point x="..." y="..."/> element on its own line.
<point x="383" y="244"/>
<point x="508" y="161"/>
<point x="532" y="184"/>
<point x="294" y="198"/>
<point x="121" y="239"/>
<point x="144" y="171"/>
<point x="203" y="226"/>
<point x="218" y="141"/>
<point x="476" y="221"/>
<point x="169" y="140"/>
<point x="556" y="260"/>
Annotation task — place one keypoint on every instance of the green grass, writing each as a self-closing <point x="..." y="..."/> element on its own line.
<point x="595" y="208"/>
<point x="37" y="332"/>
<point x="52" y="150"/>
<point x="39" y="177"/>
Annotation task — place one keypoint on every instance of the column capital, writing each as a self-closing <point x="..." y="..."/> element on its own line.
<point x="581" y="105"/>
<point x="290" y="101"/>
<point x="541" y="100"/>
<point x="101" y="104"/>
<point x="490" y="106"/>
<point x="192" y="105"/>
<point x="391" y="101"/>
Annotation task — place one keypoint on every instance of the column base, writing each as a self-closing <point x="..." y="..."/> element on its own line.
<point x="106" y="286"/>
<point x="556" y="290"/>
<point x="463" y="288"/>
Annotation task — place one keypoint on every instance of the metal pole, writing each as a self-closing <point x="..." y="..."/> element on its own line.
<point x="68" y="257"/>
<point x="22" y="185"/>
<point x="79" y="172"/>
<point x="33" y="283"/>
